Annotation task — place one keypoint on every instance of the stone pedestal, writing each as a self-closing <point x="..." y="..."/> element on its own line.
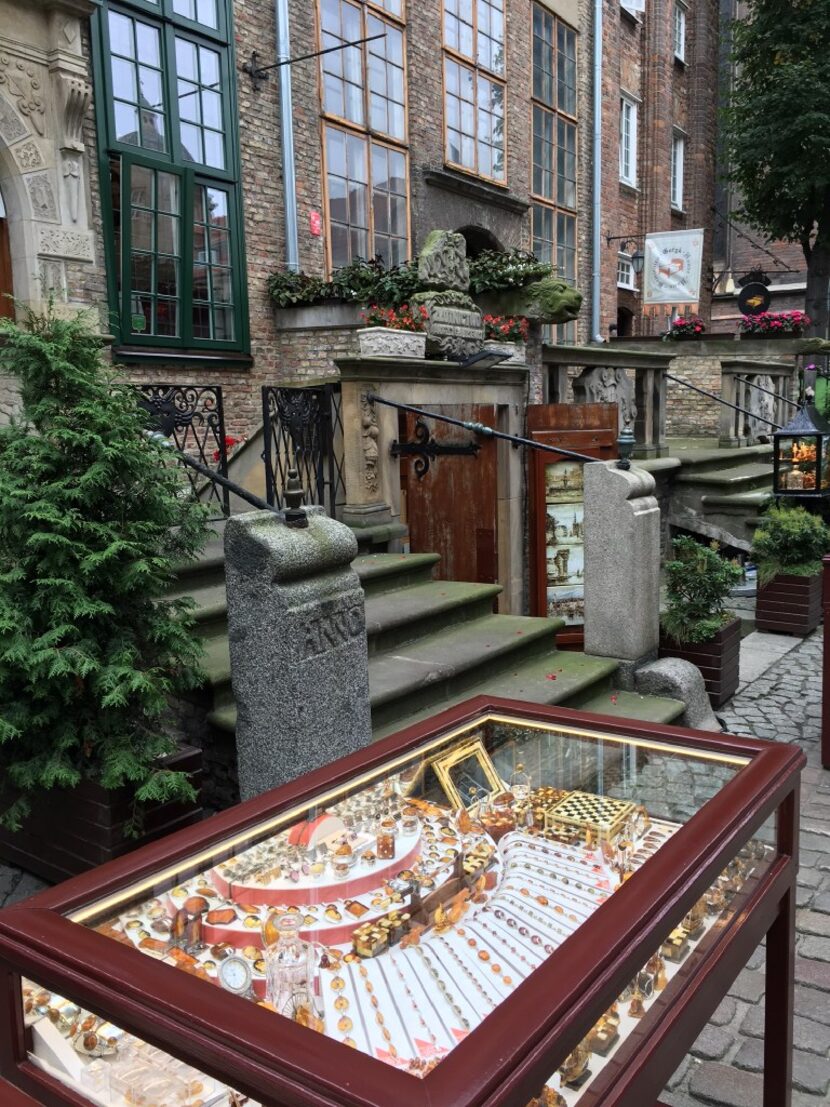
<point x="622" y="564"/>
<point x="297" y="634"/>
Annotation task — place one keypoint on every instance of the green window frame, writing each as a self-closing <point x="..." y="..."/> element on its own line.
<point x="170" y="169"/>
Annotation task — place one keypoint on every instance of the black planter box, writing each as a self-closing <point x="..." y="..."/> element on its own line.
<point x="718" y="660"/>
<point x="789" y="605"/>
<point x="74" y="830"/>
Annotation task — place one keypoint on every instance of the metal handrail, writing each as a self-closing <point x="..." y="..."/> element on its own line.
<point x="479" y="428"/>
<point x="769" y="392"/>
<point x="211" y="474"/>
<point x="720" y="400"/>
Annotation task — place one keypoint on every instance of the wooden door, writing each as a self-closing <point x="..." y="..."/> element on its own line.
<point x="557" y="554"/>
<point x="452" y="509"/>
<point x="6" y="304"/>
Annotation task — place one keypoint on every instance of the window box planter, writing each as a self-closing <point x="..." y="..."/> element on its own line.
<point x="517" y="351"/>
<point x="80" y="828"/>
<point x="389" y="342"/>
<point x="789" y="604"/>
<point x="718" y="659"/>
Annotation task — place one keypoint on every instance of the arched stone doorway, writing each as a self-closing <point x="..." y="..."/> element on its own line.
<point x="479" y="238"/>
<point x="6" y="282"/>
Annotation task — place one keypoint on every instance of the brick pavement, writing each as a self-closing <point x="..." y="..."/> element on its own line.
<point x="724" y="1066"/>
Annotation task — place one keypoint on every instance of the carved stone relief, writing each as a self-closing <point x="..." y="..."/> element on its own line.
<point x="53" y="279"/>
<point x="72" y="181"/>
<point x="369" y="434"/>
<point x="11" y="125"/>
<point x="61" y="243"/>
<point x="28" y="155"/>
<point x="760" y="404"/>
<point x="42" y="196"/>
<point x="22" y="81"/>
<point x="73" y="94"/>
<point x="607" y="385"/>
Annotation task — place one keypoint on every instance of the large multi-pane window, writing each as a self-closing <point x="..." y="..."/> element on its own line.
<point x="170" y="154"/>
<point x="364" y="101"/>
<point x="474" y="89"/>
<point x="553" y="157"/>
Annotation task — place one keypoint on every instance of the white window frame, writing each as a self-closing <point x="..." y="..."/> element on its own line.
<point x="624" y="262"/>
<point x="628" y="140"/>
<point x="679" y="31"/>
<point x="678" y="165"/>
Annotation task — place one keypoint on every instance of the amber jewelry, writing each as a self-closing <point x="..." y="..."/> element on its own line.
<point x="359" y="1006"/>
<point x="476" y="983"/>
<point x="502" y="938"/>
<point x="484" y="955"/>
<point x="558" y="909"/>
<point x="397" y="1010"/>
<point x="379" y="1019"/>
<point x="636" y="1008"/>
<point x="442" y="987"/>
<point x="513" y="927"/>
<point x="408" y="992"/>
<point x="547" y="919"/>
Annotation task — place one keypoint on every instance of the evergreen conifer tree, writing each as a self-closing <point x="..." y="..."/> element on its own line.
<point x="94" y="516"/>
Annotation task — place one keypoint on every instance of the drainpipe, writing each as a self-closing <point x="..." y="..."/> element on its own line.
<point x="289" y="174"/>
<point x="596" y="251"/>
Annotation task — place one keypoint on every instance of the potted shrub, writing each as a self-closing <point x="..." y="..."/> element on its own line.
<point x="696" y="625"/>
<point x="773" y="324"/>
<point x="393" y="332"/>
<point x="788" y="547"/>
<point x="507" y="332"/>
<point x="94" y="518"/>
<point x="686" y="327"/>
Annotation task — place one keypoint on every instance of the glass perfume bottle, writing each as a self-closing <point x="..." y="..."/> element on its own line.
<point x="520" y="785"/>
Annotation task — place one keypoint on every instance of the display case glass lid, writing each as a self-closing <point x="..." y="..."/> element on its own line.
<point x="396" y="910"/>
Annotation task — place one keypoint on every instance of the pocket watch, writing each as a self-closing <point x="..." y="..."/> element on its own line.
<point x="235" y="975"/>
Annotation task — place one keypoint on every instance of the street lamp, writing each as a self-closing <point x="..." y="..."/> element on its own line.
<point x="801" y="450"/>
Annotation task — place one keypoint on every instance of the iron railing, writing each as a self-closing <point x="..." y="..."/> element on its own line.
<point x="193" y="416"/>
<point x="303" y="430"/>
<point x="724" y="403"/>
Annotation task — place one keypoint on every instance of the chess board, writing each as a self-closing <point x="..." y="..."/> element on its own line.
<point x="581" y="811"/>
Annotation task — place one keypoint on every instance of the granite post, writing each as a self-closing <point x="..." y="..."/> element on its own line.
<point x="297" y="634"/>
<point x="622" y="565"/>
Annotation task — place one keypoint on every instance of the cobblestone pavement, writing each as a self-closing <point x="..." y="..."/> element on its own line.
<point x="725" y="1065"/>
<point x="726" y="1062"/>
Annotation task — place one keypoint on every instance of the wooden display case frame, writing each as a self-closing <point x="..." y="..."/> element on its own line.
<point x="507" y="1058"/>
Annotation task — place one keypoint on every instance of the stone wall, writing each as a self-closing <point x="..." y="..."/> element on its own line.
<point x="687" y="413"/>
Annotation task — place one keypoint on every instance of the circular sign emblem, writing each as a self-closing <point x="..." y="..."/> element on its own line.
<point x="754" y="298"/>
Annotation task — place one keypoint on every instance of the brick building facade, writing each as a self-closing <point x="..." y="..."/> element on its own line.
<point x="658" y="142"/>
<point x="475" y="115"/>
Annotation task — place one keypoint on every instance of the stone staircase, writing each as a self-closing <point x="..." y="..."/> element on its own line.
<point x="432" y="644"/>
<point x="719" y="493"/>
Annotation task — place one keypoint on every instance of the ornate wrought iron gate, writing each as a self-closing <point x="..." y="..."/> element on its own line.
<point x="303" y="430"/>
<point x="193" y="416"/>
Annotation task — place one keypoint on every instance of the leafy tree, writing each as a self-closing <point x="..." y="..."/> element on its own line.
<point x="93" y="517"/>
<point x="777" y="132"/>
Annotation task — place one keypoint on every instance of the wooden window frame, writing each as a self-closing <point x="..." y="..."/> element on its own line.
<point x="677" y="170"/>
<point x="631" y="103"/>
<point x="680" y="17"/>
<point x="495" y="78"/>
<point x="364" y="130"/>
<point x="171" y="25"/>
<point x="550" y="204"/>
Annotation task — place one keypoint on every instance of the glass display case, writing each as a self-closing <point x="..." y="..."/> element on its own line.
<point x="506" y="904"/>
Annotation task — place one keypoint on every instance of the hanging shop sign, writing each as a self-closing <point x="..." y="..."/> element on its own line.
<point x="671" y="274"/>
<point x="754" y="298"/>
